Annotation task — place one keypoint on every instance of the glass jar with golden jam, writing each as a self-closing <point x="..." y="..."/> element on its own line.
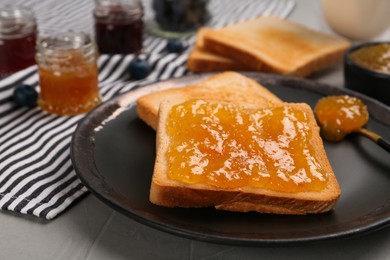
<point x="118" y="26"/>
<point x="18" y="31"/>
<point x="68" y="73"/>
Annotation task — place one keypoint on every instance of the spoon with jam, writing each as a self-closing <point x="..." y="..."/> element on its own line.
<point x="341" y="115"/>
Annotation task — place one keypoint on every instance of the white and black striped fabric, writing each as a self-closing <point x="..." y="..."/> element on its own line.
<point x="36" y="174"/>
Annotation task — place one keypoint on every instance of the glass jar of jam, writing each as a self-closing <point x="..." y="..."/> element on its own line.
<point x="118" y="26"/>
<point x="178" y="18"/>
<point x="18" y="31"/>
<point x="68" y="73"/>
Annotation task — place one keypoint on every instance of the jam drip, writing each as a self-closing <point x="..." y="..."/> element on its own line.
<point x="340" y="115"/>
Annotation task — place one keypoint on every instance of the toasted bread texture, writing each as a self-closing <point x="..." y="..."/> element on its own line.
<point x="202" y="60"/>
<point x="171" y="192"/>
<point x="277" y="45"/>
<point x="226" y="86"/>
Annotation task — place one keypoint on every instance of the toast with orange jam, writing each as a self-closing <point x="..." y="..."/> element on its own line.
<point x="241" y="158"/>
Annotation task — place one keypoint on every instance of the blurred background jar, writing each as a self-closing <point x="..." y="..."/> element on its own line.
<point x="118" y="26"/>
<point x="18" y="30"/>
<point x="178" y="18"/>
<point x="357" y="19"/>
<point x="68" y="72"/>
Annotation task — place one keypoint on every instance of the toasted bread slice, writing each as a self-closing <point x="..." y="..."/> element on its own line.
<point x="226" y="86"/>
<point x="276" y="45"/>
<point x="288" y="173"/>
<point x="201" y="60"/>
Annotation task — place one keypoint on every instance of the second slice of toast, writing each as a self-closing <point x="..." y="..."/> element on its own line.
<point x="226" y="86"/>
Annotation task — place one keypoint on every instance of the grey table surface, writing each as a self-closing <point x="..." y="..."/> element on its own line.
<point x="92" y="230"/>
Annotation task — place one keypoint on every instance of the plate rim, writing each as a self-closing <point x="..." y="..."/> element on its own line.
<point x="127" y="98"/>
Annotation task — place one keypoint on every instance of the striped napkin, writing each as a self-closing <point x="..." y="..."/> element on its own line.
<point x="36" y="174"/>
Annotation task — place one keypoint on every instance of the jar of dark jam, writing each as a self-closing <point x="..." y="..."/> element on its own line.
<point x="180" y="16"/>
<point x="18" y="30"/>
<point x="118" y="26"/>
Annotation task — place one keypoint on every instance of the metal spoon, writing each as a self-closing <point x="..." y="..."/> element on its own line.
<point x="341" y="115"/>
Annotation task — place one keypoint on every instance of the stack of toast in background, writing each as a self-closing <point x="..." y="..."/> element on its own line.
<point x="203" y="60"/>
<point x="268" y="44"/>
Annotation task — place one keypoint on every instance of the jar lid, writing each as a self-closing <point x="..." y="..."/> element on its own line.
<point x="63" y="40"/>
<point x="16" y="21"/>
<point x="61" y="45"/>
<point x="129" y="3"/>
<point x="118" y="10"/>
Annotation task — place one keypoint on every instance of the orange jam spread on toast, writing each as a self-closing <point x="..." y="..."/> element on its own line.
<point x="231" y="146"/>
<point x="340" y="115"/>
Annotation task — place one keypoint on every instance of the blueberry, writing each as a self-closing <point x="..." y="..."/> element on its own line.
<point x="175" y="46"/>
<point x="139" y="68"/>
<point x="25" y="95"/>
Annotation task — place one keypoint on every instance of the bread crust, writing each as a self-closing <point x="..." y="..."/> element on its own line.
<point x="172" y="193"/>
<point x="186" y="197"/>
<point x="202" y="60"/>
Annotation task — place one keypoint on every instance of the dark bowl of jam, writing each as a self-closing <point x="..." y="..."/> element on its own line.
<point x="367" y="69"/>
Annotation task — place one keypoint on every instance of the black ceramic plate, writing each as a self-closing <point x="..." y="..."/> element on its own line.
<point x="113" y="153"/>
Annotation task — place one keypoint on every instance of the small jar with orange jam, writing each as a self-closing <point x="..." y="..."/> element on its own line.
<point x="68" y="73"/>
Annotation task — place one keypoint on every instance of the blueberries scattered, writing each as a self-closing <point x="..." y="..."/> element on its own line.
<point x="139" y="68"/>
<point x="175" y="46"/>
<point x="25" y="95"/>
